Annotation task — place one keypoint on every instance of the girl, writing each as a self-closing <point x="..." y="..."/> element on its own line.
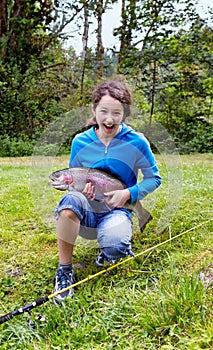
<point x="112" y="146"/>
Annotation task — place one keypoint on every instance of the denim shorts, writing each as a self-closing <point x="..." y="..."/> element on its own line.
<point x="111" y="228"/>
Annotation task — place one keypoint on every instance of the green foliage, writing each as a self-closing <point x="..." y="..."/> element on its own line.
<point x="169" y="69"/>
<point x="23" y="29"/>
<point x="195" y="138"/>
<point x="31" y="100"/>
<point x="15" y="147"/>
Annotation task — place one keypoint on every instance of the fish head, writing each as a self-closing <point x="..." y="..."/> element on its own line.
<point x="61" y="180"/>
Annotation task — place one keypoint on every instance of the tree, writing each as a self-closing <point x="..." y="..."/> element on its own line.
<point x="170" y="68"/>
<point x="29" y="31"/>
<point x="184" y="101"/>
<point x="128" y="25"/>
<point x="145" y="24"/>
<point x="23" y="26"/>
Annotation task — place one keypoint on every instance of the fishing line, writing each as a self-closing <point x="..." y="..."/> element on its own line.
<point x="44" y="299"/>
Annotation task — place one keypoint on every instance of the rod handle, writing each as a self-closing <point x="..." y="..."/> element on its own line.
<point x="27" y="308"/>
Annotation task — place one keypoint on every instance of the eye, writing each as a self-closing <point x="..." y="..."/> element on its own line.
<point x="117" y="113"/>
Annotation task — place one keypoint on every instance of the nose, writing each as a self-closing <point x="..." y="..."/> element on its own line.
<point x="109" y="118"/>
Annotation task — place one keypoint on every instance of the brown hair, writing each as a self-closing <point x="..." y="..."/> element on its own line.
<point x="116" y="89"/>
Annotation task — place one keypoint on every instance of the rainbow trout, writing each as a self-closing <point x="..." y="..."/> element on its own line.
<point x="76" y="179"/>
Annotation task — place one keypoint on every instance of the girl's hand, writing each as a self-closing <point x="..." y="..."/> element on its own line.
<point x="88" y="191"/>
<point x="117" y="199"/>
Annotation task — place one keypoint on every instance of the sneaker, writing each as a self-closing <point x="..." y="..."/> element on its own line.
<point x="63" y="279"/>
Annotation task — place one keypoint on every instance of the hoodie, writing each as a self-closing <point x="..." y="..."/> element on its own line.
<point x="127" y="154"/>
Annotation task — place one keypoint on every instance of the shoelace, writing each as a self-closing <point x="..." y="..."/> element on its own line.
<point x="63" y="282"/>
<point x="63" y="278"/>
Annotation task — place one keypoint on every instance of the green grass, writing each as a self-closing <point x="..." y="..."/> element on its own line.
<point x="155" y="301"/>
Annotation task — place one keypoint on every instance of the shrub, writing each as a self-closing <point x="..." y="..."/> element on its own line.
<point x="195" y="138"/>
<point x="15" y="147"/>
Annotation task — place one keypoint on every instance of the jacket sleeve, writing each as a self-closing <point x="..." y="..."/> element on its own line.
<point x="146" y="163"/>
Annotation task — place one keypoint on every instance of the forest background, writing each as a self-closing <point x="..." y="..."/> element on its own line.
<point x="164" y="50"/>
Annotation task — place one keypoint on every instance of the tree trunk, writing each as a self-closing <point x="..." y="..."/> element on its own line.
<point x="85" y="46"/>
<point x="122" y="36"/>
<point x="3" y="18"/>
<point x="128" y="15"/>
<point x="100" y="47"/>
<point x="3" y="24"/>
<point x="153" y="90"/>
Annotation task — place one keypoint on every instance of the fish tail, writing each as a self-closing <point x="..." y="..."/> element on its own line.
<point x="144" y="216"/>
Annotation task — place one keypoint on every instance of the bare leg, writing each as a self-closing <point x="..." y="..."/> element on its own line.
<point x="67" y="229"/>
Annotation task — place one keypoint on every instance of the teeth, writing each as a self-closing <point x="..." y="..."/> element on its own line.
<point x="109" y="126"/>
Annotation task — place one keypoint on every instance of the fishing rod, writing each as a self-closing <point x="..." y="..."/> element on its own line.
<point x="42" y="300"/>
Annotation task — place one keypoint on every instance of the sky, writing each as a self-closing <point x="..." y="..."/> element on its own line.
<point x="111" y="21"/>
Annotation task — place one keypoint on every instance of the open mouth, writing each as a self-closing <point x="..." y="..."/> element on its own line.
<point x="109" y="127"/>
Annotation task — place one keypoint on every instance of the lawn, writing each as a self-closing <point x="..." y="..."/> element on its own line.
<point x="162" y="299"/>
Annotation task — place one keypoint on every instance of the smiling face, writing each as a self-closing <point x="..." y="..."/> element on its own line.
<point x="109" y="114"/>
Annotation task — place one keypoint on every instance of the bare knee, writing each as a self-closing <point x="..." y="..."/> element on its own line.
<point x="68" y="214"/>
